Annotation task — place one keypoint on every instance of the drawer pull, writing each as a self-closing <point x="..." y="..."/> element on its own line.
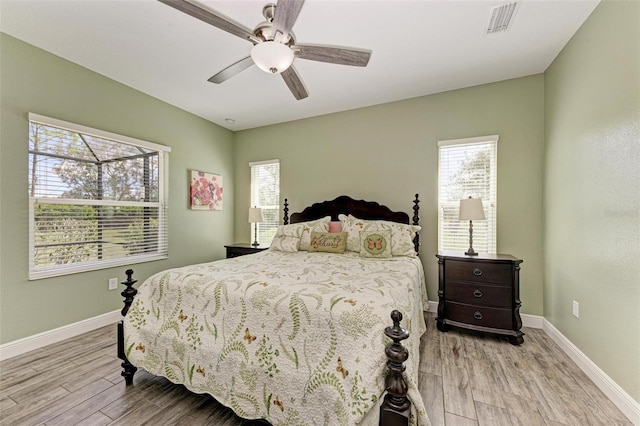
<point x="477" y="315"/>
<point x="477" y="293"/>
<point x="477" y="272"/>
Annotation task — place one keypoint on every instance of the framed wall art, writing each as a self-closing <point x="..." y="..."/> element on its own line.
<point x="205" y="191"/>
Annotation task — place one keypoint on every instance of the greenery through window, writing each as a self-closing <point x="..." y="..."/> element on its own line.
<point x="467" y="168"/>
<point x="265" y="193"/>
<point x="97" y="199"/>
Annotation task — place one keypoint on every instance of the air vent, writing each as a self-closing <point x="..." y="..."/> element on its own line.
<point x="501" y="17"/>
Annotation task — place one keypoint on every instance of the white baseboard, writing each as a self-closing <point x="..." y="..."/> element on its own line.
<point x="611" y="389"/>
<point x="37" y="341"/>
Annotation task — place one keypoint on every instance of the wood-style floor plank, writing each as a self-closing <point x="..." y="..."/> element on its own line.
<point x="465" y="379"/>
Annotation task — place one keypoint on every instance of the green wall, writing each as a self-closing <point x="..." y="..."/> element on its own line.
<point x="36" y="81"/>
<point x="592" y="191"/>
<point x="388" y="153"/>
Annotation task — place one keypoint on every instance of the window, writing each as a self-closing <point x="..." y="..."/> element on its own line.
<point x="265" y="193"/>
<point x="96" y="199"/>
<point x="467" y="168"/>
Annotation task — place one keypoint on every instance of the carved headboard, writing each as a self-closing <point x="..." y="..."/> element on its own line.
<point x="361" y="209"/>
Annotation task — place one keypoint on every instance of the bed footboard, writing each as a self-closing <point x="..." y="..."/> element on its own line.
<point x="396" y="407"/>
<point x="128" y="369"/>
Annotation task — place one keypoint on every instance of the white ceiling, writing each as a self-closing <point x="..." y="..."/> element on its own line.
<point x="418" y="47"/>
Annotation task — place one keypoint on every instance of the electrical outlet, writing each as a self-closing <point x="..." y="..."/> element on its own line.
<point x="113" y="283"/>
<point x="576" y="309"/>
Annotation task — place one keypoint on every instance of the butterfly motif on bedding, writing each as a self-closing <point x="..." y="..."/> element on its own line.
<point x="351" y="302"/>
<point x="341" y="369"/>
<point x="140" y="347"/>
<point x="278" y="403"/>
<point x="374" y="244"/>
<point x="182" y="316"/>
<point x="200" y="370"/>
<point x="248" y="337"/>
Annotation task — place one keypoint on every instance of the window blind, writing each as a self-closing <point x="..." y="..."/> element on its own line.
<point x="265" y="193"/>
<point x="96" y="199"/>
<point x="467" y="168"/>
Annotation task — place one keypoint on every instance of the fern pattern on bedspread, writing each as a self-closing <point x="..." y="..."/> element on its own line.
<point x="294" y="338"/>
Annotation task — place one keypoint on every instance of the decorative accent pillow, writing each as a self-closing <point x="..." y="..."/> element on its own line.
<point x="287" y="238"/>
<point x="319" y="225"/>
<point x="375" y="243"/>
<point x="335" y="227"/>
<point x="401" y="234"/>
<point x="328" y="242"/>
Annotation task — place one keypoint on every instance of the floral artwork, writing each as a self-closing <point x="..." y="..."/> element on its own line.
<point x="205" y="191"/>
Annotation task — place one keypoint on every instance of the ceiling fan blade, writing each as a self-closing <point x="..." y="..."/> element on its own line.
<point x="287" y="12"/>
<point x="334" y="55"/>
<point x="232" y="70"/>
<point x="294" y="83"/>
<point x="209" y="17"/>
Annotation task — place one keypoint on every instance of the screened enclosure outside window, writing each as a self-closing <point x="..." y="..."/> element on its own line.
<point x="265" y="193"/>
<point x="96" y="199"/>
<point x="467" y="168"/>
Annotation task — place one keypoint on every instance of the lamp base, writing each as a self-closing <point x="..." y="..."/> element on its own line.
<point x="255" y="244"/>
<point x="471" y="252"/>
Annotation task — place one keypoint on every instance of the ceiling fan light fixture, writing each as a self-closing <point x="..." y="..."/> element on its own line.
<point x="272" y="57"/>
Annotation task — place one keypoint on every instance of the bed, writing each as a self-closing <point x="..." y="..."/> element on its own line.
<point x="298" y="334"/>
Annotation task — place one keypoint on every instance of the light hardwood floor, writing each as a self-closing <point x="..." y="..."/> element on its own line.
<point x="465" y="379"/>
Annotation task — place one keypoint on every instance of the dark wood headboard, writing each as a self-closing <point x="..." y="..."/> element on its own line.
<point x="369" y="210"/>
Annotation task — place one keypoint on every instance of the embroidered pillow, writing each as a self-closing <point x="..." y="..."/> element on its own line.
<point x="328" y="242"/>
<point x="401" y="234"/>
<point x="375" y="243"/>
<point x="319" y="225"/>
<point x="287" y="238"/>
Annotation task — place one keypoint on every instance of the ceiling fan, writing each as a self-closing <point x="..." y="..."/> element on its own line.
<point x="274" y="43"/>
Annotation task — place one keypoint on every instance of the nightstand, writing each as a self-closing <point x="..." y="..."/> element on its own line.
<point x="241" y="249"/>
<point x="480" y="293"/>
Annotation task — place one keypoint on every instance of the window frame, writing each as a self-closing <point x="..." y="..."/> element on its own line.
<point x="161" y="205"/>
<point x="267" y="226"/>
<point x="486" y="229"/>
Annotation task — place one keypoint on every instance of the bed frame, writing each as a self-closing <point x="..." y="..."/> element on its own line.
<point x="395" y="409"/>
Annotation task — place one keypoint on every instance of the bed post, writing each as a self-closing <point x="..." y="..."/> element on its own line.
<point x="416" y="221"/>
<point x="128" y="369"/>
<point x="396" y="407"/>
<point x="285" y="219"/>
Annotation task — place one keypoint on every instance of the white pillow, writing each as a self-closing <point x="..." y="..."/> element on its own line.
<point x="297" y="236"/>
<point x="287" y="238"/>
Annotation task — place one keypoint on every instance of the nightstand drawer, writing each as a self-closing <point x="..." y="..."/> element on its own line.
<point x="485" y="272"/>
<point x="498" y="296"/>
<point x="476" y="315"/>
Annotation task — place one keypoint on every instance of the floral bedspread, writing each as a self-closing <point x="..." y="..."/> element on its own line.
<point x="294" y="338"/>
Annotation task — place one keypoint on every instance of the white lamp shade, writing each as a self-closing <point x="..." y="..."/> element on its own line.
<point x="471" y="209"/>
<point x="255" y="215"/>
<point x="272" y="57"/>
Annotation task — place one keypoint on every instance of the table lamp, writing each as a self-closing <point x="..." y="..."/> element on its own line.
<point x="471" y="209"/>
<point x="255" y="217"/>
